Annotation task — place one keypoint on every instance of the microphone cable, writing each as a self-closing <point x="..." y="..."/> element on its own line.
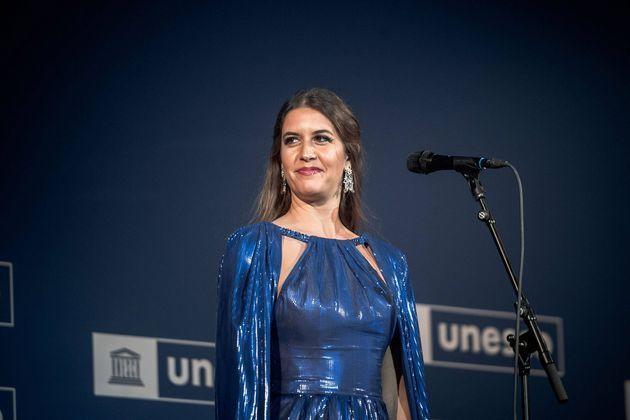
<point x="517" y="327"/>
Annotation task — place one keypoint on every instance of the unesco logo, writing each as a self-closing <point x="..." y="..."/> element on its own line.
<point x="467" y="338"/>
<point x="128" y="366"/>
<point x="125" y="367"/>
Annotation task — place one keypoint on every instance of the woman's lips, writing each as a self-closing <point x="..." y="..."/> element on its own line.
<point x="308" y="171"/>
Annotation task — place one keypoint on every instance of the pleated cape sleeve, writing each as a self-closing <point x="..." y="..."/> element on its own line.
<point x="393" y="264"/>
<point x="246" y="285"/>
<point x="248" y="278"/>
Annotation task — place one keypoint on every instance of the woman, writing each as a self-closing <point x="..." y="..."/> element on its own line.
<point x="308" y="309"/>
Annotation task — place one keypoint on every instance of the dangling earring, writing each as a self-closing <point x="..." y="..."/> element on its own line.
<point x="348" y="180"/>
<point x="284" y="181"/>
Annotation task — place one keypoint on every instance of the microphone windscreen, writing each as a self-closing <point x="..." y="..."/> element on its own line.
<point x="418" y="162"/>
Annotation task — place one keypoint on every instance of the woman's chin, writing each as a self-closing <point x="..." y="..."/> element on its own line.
<point x="312" y="194"/>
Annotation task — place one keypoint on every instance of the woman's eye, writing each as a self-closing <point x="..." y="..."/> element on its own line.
<point x="323" y="139"/>
<point x="289" y="140"/>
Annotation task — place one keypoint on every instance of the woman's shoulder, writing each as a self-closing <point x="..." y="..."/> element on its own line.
<point x="241" y="250"/>
<point x="393" y="257"/>
<point x="383" y="245"/>
<point x="241" y="245"/>
<point x="245" y="230"/>
<point x="245" y="234"/>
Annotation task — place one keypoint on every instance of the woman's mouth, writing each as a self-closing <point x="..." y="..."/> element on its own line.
<point x="308" y="171"/>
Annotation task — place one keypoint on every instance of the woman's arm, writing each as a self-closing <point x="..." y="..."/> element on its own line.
<point x="402" y="403"/>
<point x="402" y="413"/>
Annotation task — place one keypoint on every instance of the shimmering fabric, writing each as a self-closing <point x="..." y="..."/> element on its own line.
<point x="333" y="321"/>
<point x="327" y="406"/>
<point x="246" y="379"/>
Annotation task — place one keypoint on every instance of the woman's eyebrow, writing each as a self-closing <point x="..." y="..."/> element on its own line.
<point x="292" y="133"/>
<point x="322" y="131"/>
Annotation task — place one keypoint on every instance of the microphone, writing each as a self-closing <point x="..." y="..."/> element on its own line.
<point x="425" y="162"/>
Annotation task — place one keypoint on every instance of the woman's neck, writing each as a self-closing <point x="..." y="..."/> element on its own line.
<point x="318" y="220"/>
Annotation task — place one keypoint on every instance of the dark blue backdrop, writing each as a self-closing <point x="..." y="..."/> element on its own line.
<point x="134" y="139"/>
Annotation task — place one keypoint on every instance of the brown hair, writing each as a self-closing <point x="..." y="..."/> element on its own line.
<point x="271" y="202"/>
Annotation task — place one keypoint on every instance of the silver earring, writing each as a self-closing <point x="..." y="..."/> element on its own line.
<point x="283" y="189"/>
<point x="348" y="180"/>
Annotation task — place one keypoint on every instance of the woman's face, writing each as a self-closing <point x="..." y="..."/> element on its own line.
<point x="312" y="155"/>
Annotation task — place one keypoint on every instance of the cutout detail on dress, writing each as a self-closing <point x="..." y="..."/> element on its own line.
<point x="298" y="257"/>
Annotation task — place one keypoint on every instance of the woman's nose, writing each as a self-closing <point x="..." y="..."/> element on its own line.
<point x="307" y="152"/>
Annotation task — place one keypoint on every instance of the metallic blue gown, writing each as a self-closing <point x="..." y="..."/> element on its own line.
<point x="315" y="350"/>
<point x="333" y="321"/>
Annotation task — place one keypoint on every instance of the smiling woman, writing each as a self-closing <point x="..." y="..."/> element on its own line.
<point x="316" y="317"/>
<point x="312" y="162"/>
<point x="311" y="126"/>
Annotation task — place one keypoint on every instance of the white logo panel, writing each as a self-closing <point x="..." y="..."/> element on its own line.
<point x="163" y="369"/>
<point x="468" y="338"/>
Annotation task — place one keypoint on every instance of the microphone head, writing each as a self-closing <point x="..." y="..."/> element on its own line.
<point x="419" y="162"/>
<point x="425" y="162"/>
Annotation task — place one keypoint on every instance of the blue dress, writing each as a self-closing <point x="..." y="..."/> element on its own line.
<point x="314" y="350"/>
<point x="333" y="320"/>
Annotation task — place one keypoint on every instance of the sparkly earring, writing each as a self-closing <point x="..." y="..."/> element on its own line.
<point x="348" y="180"/>
<point x="284" y="181"/>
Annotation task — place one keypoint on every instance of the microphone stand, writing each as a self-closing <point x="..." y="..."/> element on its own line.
<point x="531" y="340"/>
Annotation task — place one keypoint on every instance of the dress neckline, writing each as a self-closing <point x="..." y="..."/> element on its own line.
<point x="360" y="239"/>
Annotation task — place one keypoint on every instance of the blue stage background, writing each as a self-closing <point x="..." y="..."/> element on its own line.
<point x="134" y="140"/>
